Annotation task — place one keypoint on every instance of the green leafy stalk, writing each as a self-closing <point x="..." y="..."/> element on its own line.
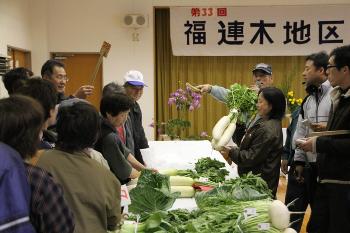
<point x="242" y="99"/>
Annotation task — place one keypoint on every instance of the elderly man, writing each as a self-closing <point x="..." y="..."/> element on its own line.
<point x="134" y="84"/>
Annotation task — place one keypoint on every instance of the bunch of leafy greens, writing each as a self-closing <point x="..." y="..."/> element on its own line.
<point x="218" y="219"/>
<point x="212" y="169"/>
<point x="152" y="193"/>
<point x="242" y="99"/>
<point x="246" y="188"/>
<point x="252" y="181"/>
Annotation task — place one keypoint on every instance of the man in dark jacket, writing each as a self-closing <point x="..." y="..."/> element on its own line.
<point x="331" y="212"/>
<point x="55" y="72"/>
<point x="134" y="84"/>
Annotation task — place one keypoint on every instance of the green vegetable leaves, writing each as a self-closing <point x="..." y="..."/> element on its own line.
<point x="211" y="168"/>
<point x="152" y="193"/>
<point x="243" y="100"/>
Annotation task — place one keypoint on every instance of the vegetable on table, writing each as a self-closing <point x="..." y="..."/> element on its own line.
<point x="280" y="215"/>
<point x="152" y="193"/>
<point x="181" y="181"/>
<point x="185" y="191"/>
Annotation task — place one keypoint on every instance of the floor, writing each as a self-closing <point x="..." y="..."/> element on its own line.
<point x="281" y="192"/>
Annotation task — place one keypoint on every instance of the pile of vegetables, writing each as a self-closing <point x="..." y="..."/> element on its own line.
<point x="242" y="217"/>
<point x="242" y="104"/>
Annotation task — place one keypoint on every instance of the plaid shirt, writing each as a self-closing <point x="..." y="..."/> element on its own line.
<point x="49" y="210"/>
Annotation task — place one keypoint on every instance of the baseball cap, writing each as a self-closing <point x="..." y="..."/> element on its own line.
<point x="134" y="77"/>
<point x="263" y="67"/>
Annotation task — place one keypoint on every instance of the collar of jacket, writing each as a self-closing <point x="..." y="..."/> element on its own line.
<point x="107" y="125"/>
<point x="336" y="93"/>
<point x="325" y="86"/>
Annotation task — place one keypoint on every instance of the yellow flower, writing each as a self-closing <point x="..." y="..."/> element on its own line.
<point x="290" y="93"/>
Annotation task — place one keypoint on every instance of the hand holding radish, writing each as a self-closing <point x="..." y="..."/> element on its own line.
<point x="204" y="88"/>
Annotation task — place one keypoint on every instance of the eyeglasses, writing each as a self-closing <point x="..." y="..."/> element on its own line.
<point x="331" y="66"/>
<point x="61" y="78"/>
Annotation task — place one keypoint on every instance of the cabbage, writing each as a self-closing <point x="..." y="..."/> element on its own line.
<point x="152" y="193"/>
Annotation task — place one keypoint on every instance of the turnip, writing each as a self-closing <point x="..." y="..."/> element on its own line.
<point x="289" y="230"/>
<point x="280" y="215"/>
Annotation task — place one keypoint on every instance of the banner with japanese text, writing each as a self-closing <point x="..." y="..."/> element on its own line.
<point x="258" y="30"/>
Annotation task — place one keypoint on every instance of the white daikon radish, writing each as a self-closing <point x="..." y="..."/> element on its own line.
<point x="225" y="138"/>
<point x="181" y="181"/>
<point x="220" y="127"/>
<point x="280" y="215"/>
<point x="169" y="171"/>
<point x="289" y="230"/>
<point x="186" y="191"/>
<point x="214" y="144"/>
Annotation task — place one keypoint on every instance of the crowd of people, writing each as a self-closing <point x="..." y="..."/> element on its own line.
<point x="63" y="161"/>
<point x="318" y="174"/>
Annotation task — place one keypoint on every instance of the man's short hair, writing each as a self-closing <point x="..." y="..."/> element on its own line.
<point x="115" y="104"/>
<point x="15" y="78"/>
<point x="21" y="121"/>
<point x="47" y="68"/>
<point x="112" y="88"/>
<point x="320" y="60"/>
<point x="341" y="56"/>
<point x="42" y="91"/>
<point x="77" y="126"/>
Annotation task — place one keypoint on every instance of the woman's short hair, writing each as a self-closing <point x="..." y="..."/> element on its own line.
<point x="277" y="100"/>
<point x="21" y="121"/>
<point x="77" y="126"/>
<point x="115" y="104"/>
<point x="42" y="91"/>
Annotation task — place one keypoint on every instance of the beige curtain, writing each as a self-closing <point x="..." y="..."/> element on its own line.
<point x="173" y="72"/>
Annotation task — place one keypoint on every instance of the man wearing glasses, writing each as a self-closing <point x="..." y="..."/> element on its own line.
<point x="313" y="116"/>
<point x="331" y="211"/>
<point x="55" y="72"/>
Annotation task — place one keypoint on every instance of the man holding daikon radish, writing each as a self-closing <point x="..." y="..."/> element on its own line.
<point x="262" y="77"/>
<point x="55" y="72"/>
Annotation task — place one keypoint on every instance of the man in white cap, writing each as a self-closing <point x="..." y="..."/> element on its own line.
<point x="134" y="84"/>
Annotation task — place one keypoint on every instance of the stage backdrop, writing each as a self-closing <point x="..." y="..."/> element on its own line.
<point x="258" y="30"/>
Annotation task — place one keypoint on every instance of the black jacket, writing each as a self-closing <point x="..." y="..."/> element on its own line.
<point x="114" y="151"/>
<point x="334" y="151"/>
<point x="260" y="151"/>
<point x="140" y="140"/>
